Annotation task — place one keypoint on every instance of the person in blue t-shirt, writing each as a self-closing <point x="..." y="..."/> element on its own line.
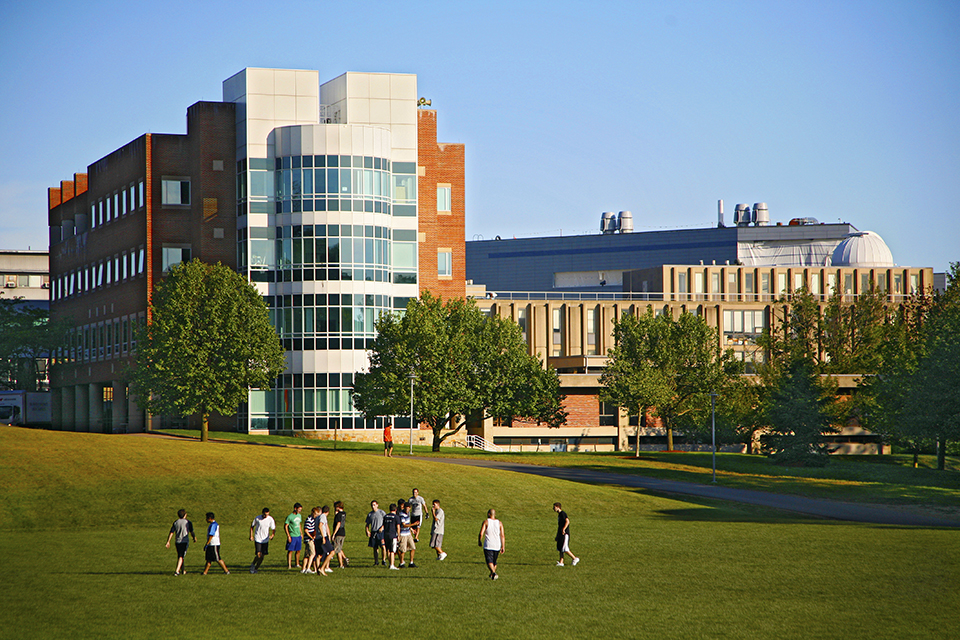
<point x="212" y="547"/>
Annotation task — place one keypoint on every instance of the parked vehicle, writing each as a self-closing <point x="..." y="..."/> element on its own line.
<point x="25" y="408"/>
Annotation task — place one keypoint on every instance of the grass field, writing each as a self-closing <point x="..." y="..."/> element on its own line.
<point x="889" y="479"/>
<point x="83" y="521"/>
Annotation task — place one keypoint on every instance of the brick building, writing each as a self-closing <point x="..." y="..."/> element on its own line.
<point x="313" y="192"/>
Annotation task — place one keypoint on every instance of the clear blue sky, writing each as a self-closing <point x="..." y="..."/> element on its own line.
<point x="842" y="110"/>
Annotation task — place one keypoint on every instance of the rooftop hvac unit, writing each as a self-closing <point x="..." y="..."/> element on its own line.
<point x="608" y="222"/>
<point x="625" y="222"/>
<point x="741" y="215"/>
<point x="760" y="214"/>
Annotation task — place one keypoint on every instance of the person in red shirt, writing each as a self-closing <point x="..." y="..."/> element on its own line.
<point x="388" y="439"/>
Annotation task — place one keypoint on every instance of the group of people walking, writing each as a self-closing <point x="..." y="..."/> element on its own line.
<point x="392" y="535"/>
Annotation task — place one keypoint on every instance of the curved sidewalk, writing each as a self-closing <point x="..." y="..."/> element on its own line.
<point x="809" y="506"/>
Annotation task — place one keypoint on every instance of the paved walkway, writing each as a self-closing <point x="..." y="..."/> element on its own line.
<point x="809" y="506"/>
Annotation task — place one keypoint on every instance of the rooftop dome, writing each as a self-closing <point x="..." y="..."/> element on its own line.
<point x="862" y="249"/>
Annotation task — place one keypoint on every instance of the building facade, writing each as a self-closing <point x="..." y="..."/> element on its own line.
<point x="309" y="190"/>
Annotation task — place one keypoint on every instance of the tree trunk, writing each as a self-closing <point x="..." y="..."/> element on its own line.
<point x="669" y="438"/>
<point x="941" y="453"/>
<point x="205" y="427"/>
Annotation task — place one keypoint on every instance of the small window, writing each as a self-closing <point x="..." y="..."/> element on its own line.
<point x="443" y="198"/>
<point x="444" y="263"/>
<point x="176" y="191"/>
<point x="172" y="256"/>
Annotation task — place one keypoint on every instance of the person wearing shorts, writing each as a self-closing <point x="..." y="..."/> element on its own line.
<point x="493" y="540"/>
<point x="339" y="533"/>
<point x="292" y="527"/>
<point x="261" y="533"/>
<point x="183" y="529"/>
<point x="436" y="531"/>
<point x="417" y="506"/>
<point x="407" y="542"/>
<point x="373" y="526"/>
<point x="563" y="535"/>
<point x="390" y="523"/>
<point x="212" y="547"/>
<point x="310" y="540"/>
<point x="388" y="439"/>
<point x="325" y="553"/>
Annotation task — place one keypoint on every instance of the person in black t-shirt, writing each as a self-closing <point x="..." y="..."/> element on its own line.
<point x="563" y="535"/>
<point x="390" y="522"/>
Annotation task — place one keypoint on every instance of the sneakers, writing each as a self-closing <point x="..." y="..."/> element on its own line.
<point x="328" y="570"/>
<point x="575" y="561"/>
<point x="413" y="565"/>
<point x="393" y="568"/>
<point x="560" y="564"/>
<point x="494" y="577"/>
<point x="441" y="556"/>
<point x="402" y="564"/>
<point x="177" y="573"/>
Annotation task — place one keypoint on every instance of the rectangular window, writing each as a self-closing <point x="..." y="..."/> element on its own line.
<point x="522" y="321"/>
<point x="914" y="283"/>
<point x="174" y="255"/>
<point x="444" y="263"/>
<point x="848" y="283"/>
<point x="732" y="286"/>
<point x="864" y="282"/>
<point x="140" y="198"/>
<point x="681" y="282"/>
<point x="832" y="283"/>
<point x="797" y="282"/>
<point x="176" y="191"/>
<point x="443" y="197"/>
<point x="592" y="345"/>
<point x="765" y="283"/>
<point x="781" y="283"/>
<point x="815" y="283"/>
<point x="749" y="282"/>
<point x="557" y="330"/>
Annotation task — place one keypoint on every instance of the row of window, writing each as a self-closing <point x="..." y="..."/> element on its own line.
<point x="128" y="264"/>
<point x="117" y="204"/>
<point x="14" y="280"/>
<point x="101" y="341"/>
<point x="816" y="283"/>
<point x="321" y="321"/>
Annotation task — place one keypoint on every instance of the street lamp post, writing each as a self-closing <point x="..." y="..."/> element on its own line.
<point x="413" y="377"/>
<point x="713" y="432"/>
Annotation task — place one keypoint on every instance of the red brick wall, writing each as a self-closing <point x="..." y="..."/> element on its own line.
<point x="441" y="164"/>
<point x="583" y="408"/>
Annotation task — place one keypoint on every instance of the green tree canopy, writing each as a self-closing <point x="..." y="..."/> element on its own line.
<point x="208" y="340"/>
<point x="465" y="364"/>
<point x="27" y="338"/>
<point x="671" y="366"/>
<point x="916" y="396"/>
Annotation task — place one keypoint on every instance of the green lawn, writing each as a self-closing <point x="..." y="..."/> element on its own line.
<point x="83" y="520"/>
<point x="887" y="479"/>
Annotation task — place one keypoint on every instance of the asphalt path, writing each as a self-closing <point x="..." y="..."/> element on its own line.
<point x="831" y="509"/>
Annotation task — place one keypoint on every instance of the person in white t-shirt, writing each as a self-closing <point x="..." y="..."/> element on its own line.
<point x="261" y="533"/>
<point x="493" y="540"/>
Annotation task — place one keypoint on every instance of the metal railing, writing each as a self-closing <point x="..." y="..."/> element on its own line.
<point x="477" y="442"/>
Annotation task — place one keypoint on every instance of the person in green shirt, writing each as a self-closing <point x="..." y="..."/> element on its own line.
<point x="294" y="535"/>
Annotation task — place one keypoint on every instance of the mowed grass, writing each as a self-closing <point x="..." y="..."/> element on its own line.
<point x="83" y="520"/>
<point x="889" y="479"/>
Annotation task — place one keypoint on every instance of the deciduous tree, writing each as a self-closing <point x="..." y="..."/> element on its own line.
<point x="466" y="365"/>
<point x="207" y="342"/>
<point x="670" y="365"/>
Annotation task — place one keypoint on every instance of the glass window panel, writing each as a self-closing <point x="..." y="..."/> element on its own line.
<point x="307" y="185"/>
<point x="333" y="180"/>
<point x="345" y="181"/>
<point x="333" y="250"/>
<point x="404" y="255"/>
<point x="358" y="250"/>
<point x="346" y="251"/>
<point x="346" y="319"/>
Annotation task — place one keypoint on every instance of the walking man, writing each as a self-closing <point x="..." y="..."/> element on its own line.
<point x="373" y="525"/>
<point x="291" y="527"/>
<point x="261" y="533"/>
<point x="212" y="548"/>
<point x="493" y="540"/>
<point x="388" y="438"/>
<point x="390" y="523"/>
<point x="436" y="530"/>
<point x="563" y="535"/>
<point x="183" y="529"/>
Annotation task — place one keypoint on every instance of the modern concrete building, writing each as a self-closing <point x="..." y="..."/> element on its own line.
<point x="314" y="192"/>
<point x="571" y="330"/>
<point x="26" y="275"/>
